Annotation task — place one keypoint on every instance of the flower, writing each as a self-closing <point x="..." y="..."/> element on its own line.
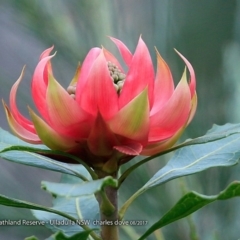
<point x="107" y="114"/>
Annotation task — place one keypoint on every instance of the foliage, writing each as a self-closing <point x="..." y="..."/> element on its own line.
<point x="75" y="210"/>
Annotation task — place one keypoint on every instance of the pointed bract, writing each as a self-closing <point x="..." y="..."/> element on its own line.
<point x="39" y="86"/>
<point x="192" y="83"/>
<point x="125" y="52"/>
<point x="86" y="68"/>
<point x="163" y="85"/>
<point x="110" y="58"/>
<point x="158" y="147"/>
<point x="173" y="115"/>
<point x="46" y="53"/>
<point x="101" y="140"/>
<point x="19" y="118"/>
<point x="139" y="76"/>
<point x="132" y="121"/>
<point x="19" y="130"/>
<point x="49" y="136"/>
<point x="99" y="93"/>
<point x="71" y="121"/>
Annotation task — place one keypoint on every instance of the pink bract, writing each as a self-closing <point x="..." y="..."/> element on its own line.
<point x="147" y="116"/>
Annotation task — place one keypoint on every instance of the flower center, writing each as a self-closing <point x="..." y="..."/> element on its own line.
<point x="117" y="77"/>
<point x="72" y="90"/>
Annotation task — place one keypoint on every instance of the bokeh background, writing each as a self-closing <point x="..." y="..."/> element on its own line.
<point x="206" y="32"/>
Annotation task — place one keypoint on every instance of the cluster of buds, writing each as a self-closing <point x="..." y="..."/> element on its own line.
<point x="117" y="76"/>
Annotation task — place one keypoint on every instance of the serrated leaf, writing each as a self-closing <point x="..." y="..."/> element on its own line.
<point x="190" y="203"/>
<point x="191" y="159"/>
<point x="78" y="189"/>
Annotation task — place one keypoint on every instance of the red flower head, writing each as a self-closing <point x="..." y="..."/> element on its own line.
<point x="106" y="113"/>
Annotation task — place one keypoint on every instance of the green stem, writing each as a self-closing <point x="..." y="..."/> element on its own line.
<point x="129" y="202"/>
<point x="108" y="217"/>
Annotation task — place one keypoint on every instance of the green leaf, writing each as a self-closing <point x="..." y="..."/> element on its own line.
<point x="66" y="214"/>
<point x="27" y="154"/>
<point x="84" y="208"/>
<point x="60" y="236"/>
<point x="214" y="134"/>
<point x="12" y="202"/>
<point x="191" y="159"/>
<point x="31" y="238"/>
<point x="7" y="141"/>
<point x="79" y="236"/>
<point x="190" y="203"/>
<point x="15" y="150"/>
<point x="78" y="189"/>
<point x="36" y="160"/>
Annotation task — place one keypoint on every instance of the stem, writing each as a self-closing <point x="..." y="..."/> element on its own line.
<point x="109" y="228"/>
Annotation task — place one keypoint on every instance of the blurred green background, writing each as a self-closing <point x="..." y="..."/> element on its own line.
<point x="206" y="32"/>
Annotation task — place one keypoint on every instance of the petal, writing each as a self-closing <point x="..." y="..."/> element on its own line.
<point x="24" y="122"/>
<point x="140" y="76"/>
<point x="111" y="58"/>
<point x="19" y="130"/>
<point x="76" y="76"/>
<point x="101" y="140"/>
<point x="49" y="136"/>
<point x="39" y="85"/>
<point x="173" y="115"/>
<point x="193" y="108"/>
<point x="99" y="93"/>
<point x="163" y="86"/>
<point x="124" y="51"/>
<point x="46" y="53"/>
<point x="132" y="121"/>
<point x="155" y="148"/>
<point x="65" y="114"/>
<point x="85" y="70"/>
<point x="131" y="148"/>
<point x="192" y="84"/>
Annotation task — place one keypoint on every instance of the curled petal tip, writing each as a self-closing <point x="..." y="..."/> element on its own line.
<point x="18" y="129"/>
<point x="46" y="52"/>
<point x="192" y="84"/>
<point x="124" y="51"/>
